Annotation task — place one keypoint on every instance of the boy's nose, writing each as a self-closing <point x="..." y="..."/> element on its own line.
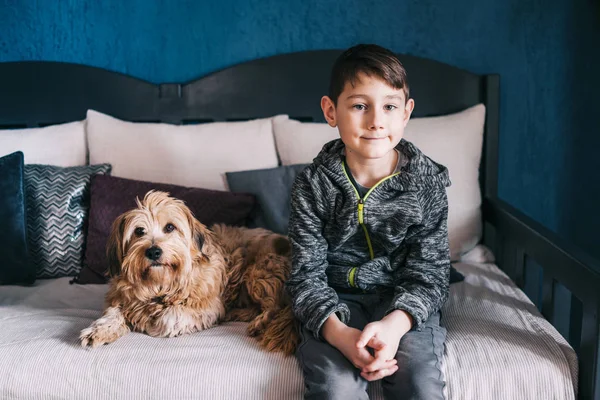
<point x="376" y="120"/>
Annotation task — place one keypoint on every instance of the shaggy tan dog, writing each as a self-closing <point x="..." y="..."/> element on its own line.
<point x="171" y="275"/>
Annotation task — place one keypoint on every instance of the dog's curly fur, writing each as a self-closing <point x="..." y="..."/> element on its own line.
<point x="171" y="275"/>
<point x="259" y="264"/>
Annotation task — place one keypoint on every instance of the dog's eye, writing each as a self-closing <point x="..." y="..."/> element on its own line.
<point x="169" y="228"/>
<point x="139" y="232"/>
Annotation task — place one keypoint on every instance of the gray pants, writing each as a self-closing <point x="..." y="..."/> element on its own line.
<point x="328" y="374"/>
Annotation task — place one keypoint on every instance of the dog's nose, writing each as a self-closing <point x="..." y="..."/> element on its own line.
<point x="153" y="253"/>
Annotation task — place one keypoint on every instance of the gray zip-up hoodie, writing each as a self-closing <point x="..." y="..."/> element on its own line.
<point x="393" y="239"/>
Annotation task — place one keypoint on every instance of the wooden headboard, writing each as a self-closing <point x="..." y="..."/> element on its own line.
<point x="34" y="94"/>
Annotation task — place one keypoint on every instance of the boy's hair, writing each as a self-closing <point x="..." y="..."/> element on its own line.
<point x="369" y="59"/>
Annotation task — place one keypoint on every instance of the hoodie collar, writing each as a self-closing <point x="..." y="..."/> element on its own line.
<point x="419" y="171"/>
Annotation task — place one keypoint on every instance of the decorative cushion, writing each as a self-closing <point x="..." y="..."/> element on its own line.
<point x="272" y="188"/>
<point x="57" y="201"/>
<point x="111" y="196"/>
<point x="62" y="145"/>
<point x="454" y="140"/>
<point x="187" y="155"/>
<point x="15" y="267"/>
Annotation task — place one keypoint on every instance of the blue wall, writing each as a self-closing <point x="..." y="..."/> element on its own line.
<point x="547" y="53"/>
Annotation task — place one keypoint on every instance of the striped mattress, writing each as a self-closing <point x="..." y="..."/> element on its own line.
<point x="498" y="347"/>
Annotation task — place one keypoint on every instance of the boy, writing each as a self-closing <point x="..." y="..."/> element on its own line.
<point x="371" y="261"/>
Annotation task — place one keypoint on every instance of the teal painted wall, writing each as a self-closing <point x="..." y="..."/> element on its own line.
<point x="547" y="53"/>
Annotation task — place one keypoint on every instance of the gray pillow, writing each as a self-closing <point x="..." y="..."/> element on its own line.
<point x="57" y="200"/>
<point x="272" y="188"/>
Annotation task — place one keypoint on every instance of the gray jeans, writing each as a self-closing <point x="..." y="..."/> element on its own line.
<point x="328" y="374"/>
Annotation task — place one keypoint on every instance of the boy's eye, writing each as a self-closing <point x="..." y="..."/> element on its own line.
<point x="169" y="228"/>
<point x="139" y="232"/>
<point x="359" y="107"/>
<point x="390" y="107"/>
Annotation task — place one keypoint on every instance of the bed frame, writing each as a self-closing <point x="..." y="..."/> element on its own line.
<point x="562" y="281"/>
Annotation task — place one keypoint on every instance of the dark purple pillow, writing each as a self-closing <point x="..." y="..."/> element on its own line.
<point x="112" y="196"/>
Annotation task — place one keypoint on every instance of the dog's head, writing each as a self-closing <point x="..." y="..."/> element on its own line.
<point x="159" y="242"/>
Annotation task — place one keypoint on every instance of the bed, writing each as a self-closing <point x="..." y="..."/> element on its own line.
<point x="522" y="327"/>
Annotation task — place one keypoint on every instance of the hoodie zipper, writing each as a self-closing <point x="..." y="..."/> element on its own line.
<point x="361" y="207"/>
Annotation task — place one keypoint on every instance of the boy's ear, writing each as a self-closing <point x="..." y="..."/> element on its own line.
<point x="328" y="107"/>
<point x="408" y="109"/>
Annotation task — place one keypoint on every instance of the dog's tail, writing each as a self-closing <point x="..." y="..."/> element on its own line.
<point x="282" y="334"/>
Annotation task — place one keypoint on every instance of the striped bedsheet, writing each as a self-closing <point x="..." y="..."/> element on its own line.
<point x="498" y="347"/>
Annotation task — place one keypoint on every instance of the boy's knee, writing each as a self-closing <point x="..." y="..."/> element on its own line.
<point x="420" y="358"/>
<point x="332" y="378"/>
<point x="335" y="385"/>
<point x="417" y="377"/>
<point x="415" y="384"/>
<point x="327" y="373"/>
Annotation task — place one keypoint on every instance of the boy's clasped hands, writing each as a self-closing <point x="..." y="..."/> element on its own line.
<point x="372" y="350"/>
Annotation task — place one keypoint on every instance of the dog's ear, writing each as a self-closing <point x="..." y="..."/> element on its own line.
<point x="197" y="228"/>
<point x="114" y="246"/>
<point x="198" y="234"/>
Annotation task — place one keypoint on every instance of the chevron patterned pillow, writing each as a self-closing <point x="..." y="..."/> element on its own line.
<point x="57" y="200"/>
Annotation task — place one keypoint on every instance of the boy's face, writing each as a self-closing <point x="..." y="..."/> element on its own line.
<point x="370" y="116"/>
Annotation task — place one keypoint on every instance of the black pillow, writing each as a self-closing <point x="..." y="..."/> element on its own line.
<point x="15" y="267"/>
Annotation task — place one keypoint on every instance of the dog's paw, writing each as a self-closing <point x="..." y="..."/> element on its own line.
<point x="95" y="336"/>
<point x="99" y="334"/>
<point x="104" y="330"/>
<point x="175" y="321"/>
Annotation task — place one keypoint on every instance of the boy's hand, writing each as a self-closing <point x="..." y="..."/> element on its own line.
<point x="383" y="337"/>
<point x="344" y="338"/>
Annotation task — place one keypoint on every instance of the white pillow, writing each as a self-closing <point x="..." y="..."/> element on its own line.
<point x="186" y="155"/>
<point x="456" y="141"/>
<point x="62" y="145"/>
<point x="453" y="140"/>
<point x="300" y="142"/>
